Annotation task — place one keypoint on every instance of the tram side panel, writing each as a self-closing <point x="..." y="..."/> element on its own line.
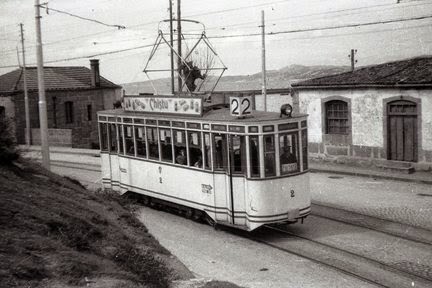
<point x="238" y="193"/>
<point x="187" y="187"/>
<point x="115" y="172"/>
<point x="277" y="200"/>
<point x="106" y="170"/>
<point x="221" y="198"/>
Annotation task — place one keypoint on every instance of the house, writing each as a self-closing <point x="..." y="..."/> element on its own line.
<point x="73" y="95"/>
<point x="380" y="113"/>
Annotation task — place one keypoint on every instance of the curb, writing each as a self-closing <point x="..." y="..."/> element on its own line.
<point x="371" y="175"/>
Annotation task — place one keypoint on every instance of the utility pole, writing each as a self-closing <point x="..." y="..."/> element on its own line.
<point x="353" y="60"/>
<point x="26" y="100"/>
<point x="263" y="57"/>
<point x="171" y="43"/>
<point x="41" y="86"/>
<point x="179" y="45"/>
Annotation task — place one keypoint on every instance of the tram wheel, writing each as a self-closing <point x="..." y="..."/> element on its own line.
<point x="146" y="200"/>
<point x="189" y="213"/>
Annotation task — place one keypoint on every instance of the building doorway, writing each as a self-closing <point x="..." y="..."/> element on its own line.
<point x="402" y="131"/>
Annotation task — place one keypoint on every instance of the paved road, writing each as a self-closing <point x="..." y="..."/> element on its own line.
<point x="404" y="202"/>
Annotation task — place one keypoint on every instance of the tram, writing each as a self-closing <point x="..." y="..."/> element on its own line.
<point x="232" y="165"/>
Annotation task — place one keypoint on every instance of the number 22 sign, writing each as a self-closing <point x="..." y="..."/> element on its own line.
<point x="241" y="105"/>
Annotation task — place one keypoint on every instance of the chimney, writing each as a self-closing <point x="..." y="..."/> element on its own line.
<point x="95" y="76"/>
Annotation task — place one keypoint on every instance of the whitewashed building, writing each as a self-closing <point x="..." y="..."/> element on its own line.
<point x="381" y="113"/>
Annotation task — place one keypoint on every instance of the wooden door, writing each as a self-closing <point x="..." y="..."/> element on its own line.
<point x="402" y="130"/>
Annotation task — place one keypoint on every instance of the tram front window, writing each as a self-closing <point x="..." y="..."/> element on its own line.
<point x="140" y="141"/>
<point x="128" y="135"/>
<point x="207" y="151"/>
<point x="220" y="158"/>
<point x="180" y="147"/>
<point x="104" y="136"/>
<point x="195" y="152"/>
<point x="112" y="138"/>
<point x="153" y="143"/>
<point x="288" y="150"/>
<point x="237" y="152"/>
<point x="269" y="156"/>
<point x="166" y="146"/>
<point x="304" y="149"/>
<point x="254" y="156"/>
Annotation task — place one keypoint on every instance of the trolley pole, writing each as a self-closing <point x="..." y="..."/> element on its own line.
<point x="26" y="100"/>
<point x="264" y="75"/>
<point x="179" y="45"/>
<point x="41" y="86"/>
<point x="171" y="43"/>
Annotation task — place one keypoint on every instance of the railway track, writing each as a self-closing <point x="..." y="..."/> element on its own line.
<point x="352" y="264"/>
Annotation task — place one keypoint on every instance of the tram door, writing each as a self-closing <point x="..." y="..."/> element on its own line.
<point x="237" y="170"/>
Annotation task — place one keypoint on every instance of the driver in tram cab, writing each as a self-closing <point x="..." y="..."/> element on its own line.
<point x="287" y="157"/>
<point x="181" y="158"/>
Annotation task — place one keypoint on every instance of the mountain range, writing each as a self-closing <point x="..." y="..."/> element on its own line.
<point x="281" y="78"/>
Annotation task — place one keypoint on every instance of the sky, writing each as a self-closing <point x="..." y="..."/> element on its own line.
<point x="66" y="37"/>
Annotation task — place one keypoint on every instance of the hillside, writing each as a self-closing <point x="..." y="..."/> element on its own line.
<point x="57" y="234"/>
<point x="281" y="78"/>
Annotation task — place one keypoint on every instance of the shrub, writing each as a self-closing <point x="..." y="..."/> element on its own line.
<point x="8" y="146"/>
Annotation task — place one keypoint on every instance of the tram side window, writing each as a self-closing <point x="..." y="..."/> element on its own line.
<point x="166" y="146"/>
<point x="195" y="152"/>
<point x="140" y="141"/>
<point x="104" y="136"/>
<point x="288" y="149"/>
<point x="220" y="159"/>
<point x="153" y="143"/>
<point x="112" y="138"/>
<point x="180" y="147"/>
<point x="207" y="151"/>
<point x="254" y="156"/>
<point x="269" y="156"/>
<point x="129" y="142"/>
<point x="304" y="149"/>
<point x="238" y="156"/>
<point x="120" y="135"/>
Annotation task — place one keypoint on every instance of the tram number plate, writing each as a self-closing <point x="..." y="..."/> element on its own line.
<point x="240" y="106"/>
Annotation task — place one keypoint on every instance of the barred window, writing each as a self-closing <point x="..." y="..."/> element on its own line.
<point x="337" y="121"/>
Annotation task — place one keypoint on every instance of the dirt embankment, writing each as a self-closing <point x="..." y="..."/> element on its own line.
<point x="54" y="233"/>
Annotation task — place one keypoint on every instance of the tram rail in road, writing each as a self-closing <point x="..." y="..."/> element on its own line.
<point x="349" y="263"/>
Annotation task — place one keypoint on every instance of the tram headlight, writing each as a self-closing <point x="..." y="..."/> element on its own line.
<point x="286" y="109"/>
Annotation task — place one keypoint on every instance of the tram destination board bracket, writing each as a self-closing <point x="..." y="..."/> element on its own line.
<point x="192" y="106"/>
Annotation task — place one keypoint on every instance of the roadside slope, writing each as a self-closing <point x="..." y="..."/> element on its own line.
<point x="57" y="234"/>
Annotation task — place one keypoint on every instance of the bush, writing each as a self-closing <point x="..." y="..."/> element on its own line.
<point x="8" y="146"/>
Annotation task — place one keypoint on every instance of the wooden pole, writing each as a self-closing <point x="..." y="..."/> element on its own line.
<point x="263" y="56"/>
<point x="179" y="45"/>
<point x="26" y="100"/>
<point x="41" y="86"/>
<point x="172" y="43"/>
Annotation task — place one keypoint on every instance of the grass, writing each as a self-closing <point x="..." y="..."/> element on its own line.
<point x="57" y="234"/>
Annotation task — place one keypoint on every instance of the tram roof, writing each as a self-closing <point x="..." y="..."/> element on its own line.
<point x="218" y="115"/>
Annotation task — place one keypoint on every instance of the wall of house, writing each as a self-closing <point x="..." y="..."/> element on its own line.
<point x="368" y="134"/>
<point x="84" y="132"/>
<point x="9" y="111"/>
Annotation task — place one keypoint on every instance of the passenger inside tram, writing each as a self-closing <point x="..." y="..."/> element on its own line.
<point x="199" y="162"/>
<point x="181" y="157"/>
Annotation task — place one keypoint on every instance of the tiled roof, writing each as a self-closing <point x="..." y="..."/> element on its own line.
<point x="56" y="78"/>
<point x="411" y="72"/>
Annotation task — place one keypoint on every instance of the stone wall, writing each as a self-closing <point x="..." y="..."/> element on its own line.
<point x="56" y="137"/>
<point x="84" y="131"/>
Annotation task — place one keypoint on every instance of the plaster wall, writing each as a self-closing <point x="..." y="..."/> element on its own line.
<point x="8" y="104"/>
<point x="367" y="113"/>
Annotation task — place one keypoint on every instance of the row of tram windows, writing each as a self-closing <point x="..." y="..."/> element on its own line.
<point x="194" y="148"/>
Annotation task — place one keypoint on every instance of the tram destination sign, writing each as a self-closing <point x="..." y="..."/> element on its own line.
<point x="164" y="104"/>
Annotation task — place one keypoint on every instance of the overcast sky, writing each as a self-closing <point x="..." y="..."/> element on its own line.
<point x="68" y="37"/>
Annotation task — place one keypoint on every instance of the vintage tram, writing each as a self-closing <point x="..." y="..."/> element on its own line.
<point x="234" y="169"/>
